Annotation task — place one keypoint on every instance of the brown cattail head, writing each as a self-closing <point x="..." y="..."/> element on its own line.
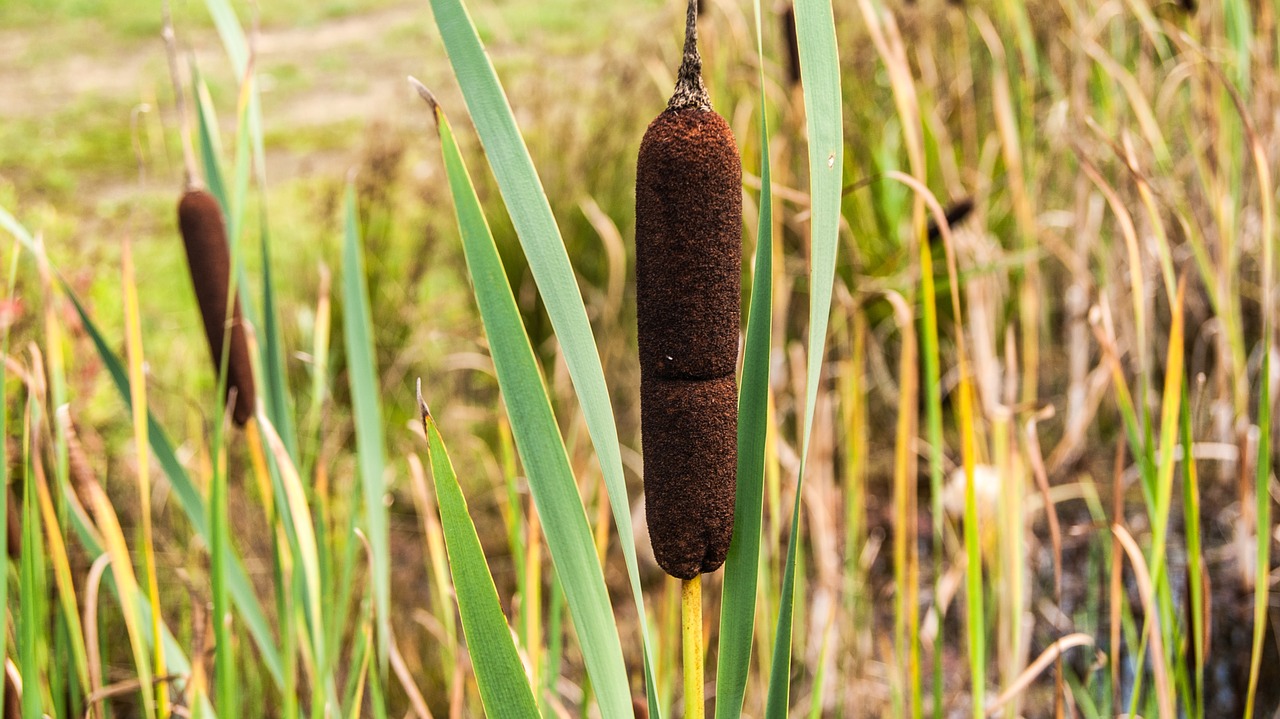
<point x="955" y="213"/>
<point x="792" y="43"/>
<point x="209" y="258"/>
<point x="688" y="285"/>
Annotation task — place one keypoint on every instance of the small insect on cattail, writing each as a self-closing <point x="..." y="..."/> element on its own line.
<point x="688" y="281"/>
<point x="204" y="234"/>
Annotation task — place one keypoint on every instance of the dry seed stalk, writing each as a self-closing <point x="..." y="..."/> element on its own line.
<point x="688" y="268"/>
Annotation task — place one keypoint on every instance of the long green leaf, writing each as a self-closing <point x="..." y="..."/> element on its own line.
<point x="276" y="386"/>
<point x="742" y="566"/>
<point x="363" y="375"/>
<point x="820" y="70"/>
<point x="538" y="441"/>
<point x="549" y="262"/>
<point x="29" y="630"/>
<point x="504" y="688"/>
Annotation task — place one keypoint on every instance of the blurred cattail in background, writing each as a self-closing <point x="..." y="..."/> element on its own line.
<point x="788" y="17"/>
<point x="955" y="213"/>
<point x="688" y="267"/>
<point x="204" y="236"/>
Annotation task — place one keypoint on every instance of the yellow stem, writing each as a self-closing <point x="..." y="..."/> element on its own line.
<point x="691" y="621"/>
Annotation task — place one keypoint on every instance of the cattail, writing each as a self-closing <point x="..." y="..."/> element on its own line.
<point x="688" y="267"/>
<point x="792" y="43"/>
<point x="955" y="213"/>
<point x="204" y="234"/>
<point x="209" y="259"/>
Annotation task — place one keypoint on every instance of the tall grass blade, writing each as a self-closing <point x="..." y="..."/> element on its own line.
<point x="1195" y="558"/>
<point x="57" y="556"/>
<point x="5" y="496"/>
<point x="138" y="392"/>
<point x="29" y="629"/>
<point x="276" y="384"/>
<point x="303" y="545"/>
<point x="370" y="448"/>
<point x="742" y="565"/>
<point x="933" y="425"/>
<point x="504" y="689"/>
<point x="538" y="441"/>
<point x="820" y="71"/>
<point x="128" y="592"/>
<point x="240" y="52"/>
<point x="549" y="262"/>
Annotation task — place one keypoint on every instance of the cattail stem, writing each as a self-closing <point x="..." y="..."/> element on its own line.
<point x="190" y="171"/>
<point x="691" y="625"/>
<point x="690" y="92"/>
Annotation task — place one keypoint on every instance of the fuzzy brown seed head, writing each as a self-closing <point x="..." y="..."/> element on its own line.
<point x="689" y="433"/>
<point x="688" y="277"/>
<point x="204" y="235"/>
<point x="688" y="246"/>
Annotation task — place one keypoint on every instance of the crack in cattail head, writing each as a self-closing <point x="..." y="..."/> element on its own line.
<point x="688" y="286"/>
<point x="204" y="235"/>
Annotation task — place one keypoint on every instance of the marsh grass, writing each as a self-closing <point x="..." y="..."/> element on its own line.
<point x="1111" y="296"/>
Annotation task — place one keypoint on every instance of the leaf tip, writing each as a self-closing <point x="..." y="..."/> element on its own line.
<point x="423" y="410"/>
<point x="425" y="94"/>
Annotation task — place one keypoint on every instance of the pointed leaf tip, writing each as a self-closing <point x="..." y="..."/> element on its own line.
<point x="423" y="410"/>
<point x="425" y="94"/>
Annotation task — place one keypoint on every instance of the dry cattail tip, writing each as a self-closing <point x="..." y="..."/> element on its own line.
<point x="688" y="284"/>
<point x="204" y="235"/>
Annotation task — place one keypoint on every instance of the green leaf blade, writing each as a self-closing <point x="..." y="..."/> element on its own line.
<point x="820" y="70"/>
<point x="538" y="441"/>
<point x="370" y="447"/>
<point x="741" y="569"/>
<point x="544" y="248"/>
<point x="504" y="687"/>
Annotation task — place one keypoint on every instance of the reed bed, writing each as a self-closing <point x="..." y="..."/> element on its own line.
<point x="988" y="294"/>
